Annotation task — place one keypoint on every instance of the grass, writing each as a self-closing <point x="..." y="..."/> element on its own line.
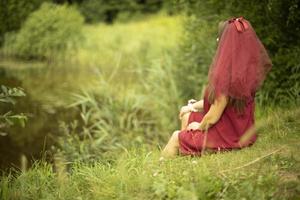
<point x="136" y="42"/>
<point x="121" y="74"/>
<point x="119" y="53"/>
<point x="121" y="63"/>
<point x="267" y="170"/>
<point x="126" y="72"/>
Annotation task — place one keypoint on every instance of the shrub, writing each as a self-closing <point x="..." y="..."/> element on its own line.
<point x="195" y="56"/>
<point x="48" y="32"/>
<point x="93" y="10"/>
<point x="110" y="10"/>
<point x="13" y="13"/>
<point x="8" y="95"/>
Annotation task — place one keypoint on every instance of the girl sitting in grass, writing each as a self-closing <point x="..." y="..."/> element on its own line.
<point x="224" y="119"/>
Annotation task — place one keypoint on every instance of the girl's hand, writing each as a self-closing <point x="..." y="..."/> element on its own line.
<point x="203" y="126"/>
<point x="183" y="111"/>
<point x="198" y="126"/>
<point x="193" y="126"/>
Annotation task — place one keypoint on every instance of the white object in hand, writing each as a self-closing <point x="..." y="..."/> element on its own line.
<point x="191" y="107"/>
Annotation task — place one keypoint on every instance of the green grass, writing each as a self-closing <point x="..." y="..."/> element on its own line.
<point x="130" y="95"/>
<point x="136" y="42"/>
<point x="122" y="71"/>
<point x="118" y="53"/>
<point x="269" y="169"/>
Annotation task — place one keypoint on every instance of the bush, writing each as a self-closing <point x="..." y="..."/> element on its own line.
<point x="108" y="10"/>
<point x="8" y="95"/>
<point x="93" y="10"/>
<point x="277" y="25"/>
<point x="48" y="32"/>
<point x="13" y="13"/>
<point x="195" y="56"/>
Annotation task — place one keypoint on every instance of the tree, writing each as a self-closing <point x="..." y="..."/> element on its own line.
<point x="14" y="12"/>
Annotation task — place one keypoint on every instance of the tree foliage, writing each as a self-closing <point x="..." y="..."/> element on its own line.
<point x="110" y="10"/>
<point x="14" y="12"/>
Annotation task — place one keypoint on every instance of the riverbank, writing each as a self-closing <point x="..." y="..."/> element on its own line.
<point x="267" y="170"/>
<point x="114" y="57"/>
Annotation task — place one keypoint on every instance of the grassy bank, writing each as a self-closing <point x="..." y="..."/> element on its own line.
<point x="127" y="98"/>
<point x="115" y="68"/>
<point x="268" y="170"/>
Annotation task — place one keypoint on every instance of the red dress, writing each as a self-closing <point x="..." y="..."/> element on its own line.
<point x="224" y="135"/>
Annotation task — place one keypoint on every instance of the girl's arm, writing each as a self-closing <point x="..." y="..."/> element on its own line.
<point x="198" y="105"/>
<point x="214" y="114"/>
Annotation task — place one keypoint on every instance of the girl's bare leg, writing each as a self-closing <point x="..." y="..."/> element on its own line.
<point x="184" y="121"/>
<point x="171" y="149"/>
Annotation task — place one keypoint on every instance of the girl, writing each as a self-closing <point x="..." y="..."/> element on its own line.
<point x="224" y="119"/>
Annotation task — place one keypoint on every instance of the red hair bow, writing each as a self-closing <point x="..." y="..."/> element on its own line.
<point x="240" y="24"/>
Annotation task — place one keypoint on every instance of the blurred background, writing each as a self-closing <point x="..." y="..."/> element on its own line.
<point x="83" y="80"/>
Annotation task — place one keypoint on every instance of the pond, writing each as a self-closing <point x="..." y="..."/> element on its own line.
<point x="20" y="146"/>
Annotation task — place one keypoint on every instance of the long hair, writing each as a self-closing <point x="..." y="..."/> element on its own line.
<point x="238" y="104"/>
<point x="240" y="64"/>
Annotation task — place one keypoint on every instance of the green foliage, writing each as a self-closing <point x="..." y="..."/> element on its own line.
<point x="8" y="95"/>
<point x="259" y="172"/>
<point x="194" y="56"/>
<point x="110" y="150"/>
<point x="283" y="85"/>
<point x="124" y="48"/>
<point x="277" y="24"/>
<point x="94" y="11"/>
<point x="110" y="10"/>
<point x="126" y="82"/>
<point x="49" y="32"/>
<point x="112" y="118"/>
<point x="13" y="13"/>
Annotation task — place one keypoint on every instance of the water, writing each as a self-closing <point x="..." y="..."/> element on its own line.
<point x="22" y="145"/>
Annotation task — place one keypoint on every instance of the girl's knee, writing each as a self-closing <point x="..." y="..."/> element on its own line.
<point x="175" y="135"/>
<point x="184" y="121"/>
<point x="185" y="116"/>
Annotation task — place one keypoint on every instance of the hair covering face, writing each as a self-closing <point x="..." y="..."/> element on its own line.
<point x="241" y="62"/>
